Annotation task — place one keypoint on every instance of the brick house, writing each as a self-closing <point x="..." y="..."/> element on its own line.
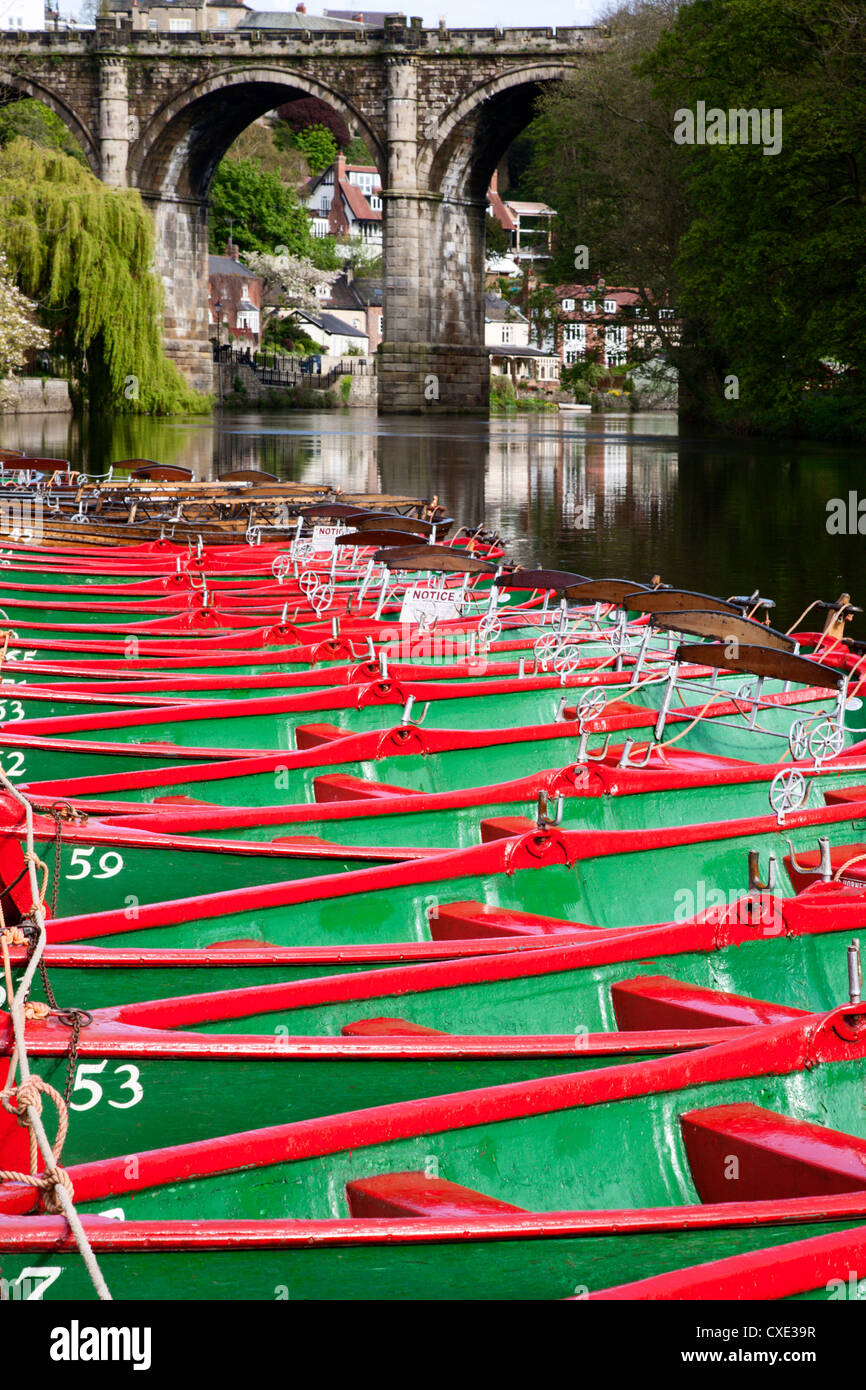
<point x="357" y="302"/>
<point x="608" y="323"/>
<point x="345" y="200"/>
<point x="234" y="300"/>
<point x="529" y="225"/>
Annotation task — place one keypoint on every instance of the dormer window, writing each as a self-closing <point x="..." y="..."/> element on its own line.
<point x="568" y="306"/>
<point x="610" y="306"/>
<point x="589" y="306"/>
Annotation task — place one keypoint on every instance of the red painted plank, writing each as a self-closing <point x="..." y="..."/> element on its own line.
<point x="414" y="1194"/>
<point x="743" y="1153"/>
<point x="387" y="1028"/>
<point x="657" y="1001"/>
<point x="313" y="735"/>
<point x="336" y="786"/>
<point x="807" y="873"/>
<point x="473" y="920"/>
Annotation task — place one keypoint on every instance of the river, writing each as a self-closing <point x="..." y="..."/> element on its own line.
<point x="602" y="495"/>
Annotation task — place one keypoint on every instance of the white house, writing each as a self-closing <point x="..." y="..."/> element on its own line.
<point x="336" y="337"/>
<point x="345" y="200"/>
<point x="23" y="15"/>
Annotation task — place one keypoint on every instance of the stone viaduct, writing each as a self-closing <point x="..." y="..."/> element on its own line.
<point x="438" y="108"/>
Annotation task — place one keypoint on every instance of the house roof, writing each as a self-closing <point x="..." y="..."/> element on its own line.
<point x="500" y="211"/>
<point x="368" y="290"/>
<point x="528" y="209"/>
<point x="357" y="202"/>
<point x="498" y="310"/>
<point x="514" y="350"/>
<point x="290" y="19"/>
<point x="226" y="265"/>
<point x="621" y="295"/>
<point x="329" y="323"/>
<point x="376" y="17"/>
<point x="343" y="295"/>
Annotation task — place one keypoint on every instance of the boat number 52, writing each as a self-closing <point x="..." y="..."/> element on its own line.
<point x="85" y="1081"/>
<point x="107" y="864"/>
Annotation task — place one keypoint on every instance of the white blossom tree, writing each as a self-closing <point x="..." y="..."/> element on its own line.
<point x="289" y="283"/>
<point x="19" y="331"/>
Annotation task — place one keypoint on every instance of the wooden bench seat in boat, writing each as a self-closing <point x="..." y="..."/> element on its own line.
<point x="658" y="1001"/>
<point x="470" y="920"/>
<point x="414" y="1194"/>
<point x="337" y="786"/>
<point x="842" y="796"/>
<point x="807" y="870"/>
<point x="776" y="1156"/>
<point x="314" y="735"/>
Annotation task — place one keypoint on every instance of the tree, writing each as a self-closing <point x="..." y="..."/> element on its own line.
<point x="85" y="254"/>
<point x="318" y="147"/>
<point x="255" y="208"/>
<point x="357" y="152"/>
<point x="20" y="332"/>
<point x="772" y="264"/>
<point x="307" y="111"/>
<point x="496" y="239"/>
<point x="289" y="283"/>
<point x="37" y="122"/>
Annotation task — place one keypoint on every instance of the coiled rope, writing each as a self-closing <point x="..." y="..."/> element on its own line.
<point x="24" y="1100"/>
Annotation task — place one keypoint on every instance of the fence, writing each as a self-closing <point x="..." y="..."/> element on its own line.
<point x="280" y="369"/>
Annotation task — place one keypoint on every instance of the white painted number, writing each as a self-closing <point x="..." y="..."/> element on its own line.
<point x="108" y="864"/>
<point x="84" y="1082"/>
<point x="18" y="712"/>
<point x="44" y="1273"/>
<point x="14" y="765"/>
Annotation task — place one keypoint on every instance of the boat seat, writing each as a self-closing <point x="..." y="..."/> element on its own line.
<point x="469" y="920"/>
<point x="180" y="801"/>
<point x="625" y="715"/>
<point x="504" y="827"/>
<point x="809" y="862"/>
<point x="313" y="735"/>
<point x="337" y="786"/>
<point x="657" y="1001"/>
<point x="776" y="1156"/>
<point x="414" y="1194"/>
<point x="841" y="796"/>
<point x="387" y="1028"/>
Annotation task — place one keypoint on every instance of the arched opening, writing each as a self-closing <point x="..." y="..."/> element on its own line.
<point x="15" y="89"/>
<point x="174" y="163"/>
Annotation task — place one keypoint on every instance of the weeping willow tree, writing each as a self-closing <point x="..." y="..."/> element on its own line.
<point x="85" y="254"/>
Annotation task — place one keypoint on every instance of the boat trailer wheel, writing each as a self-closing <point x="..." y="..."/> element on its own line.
<point x="788" y="791"/>
<point x="798" y="740"/>
<point x="826" y="741"/>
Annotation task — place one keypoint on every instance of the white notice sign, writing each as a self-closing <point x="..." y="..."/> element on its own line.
<point x="325" y="536"/>
<point x="429" y="602"/>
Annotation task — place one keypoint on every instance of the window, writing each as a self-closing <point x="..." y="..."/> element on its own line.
<point x="574" y="333"/>
<point x="615" y="345"/>
<point x="375" y="203"/>
<point x="180" y="26"/>
<point x="507" y="332"/>
<point x="568" y="306"/>
<point x="610" y="306"/>
<point x="153" y="24"/>
<point x="588" y="306"/>
<point x="325" y="206"/>
<point x="223" y="19"/>
<point x="666" y="313"/>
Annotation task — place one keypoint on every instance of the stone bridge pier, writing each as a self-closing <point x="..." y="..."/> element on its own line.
<point x="437" y="109"/>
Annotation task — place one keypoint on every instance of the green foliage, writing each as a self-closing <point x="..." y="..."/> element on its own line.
<point x="85" y="253"/>
<point x="259" y="210"/>
<point x="317" y="145"/>
<point x="772" y="266"/>
<point x="345" y="389"/>
<point x="496" y="239"/>
<point x="357" y="152"/>
<point x="34" y="121"/>
<point x="326" y="253"/>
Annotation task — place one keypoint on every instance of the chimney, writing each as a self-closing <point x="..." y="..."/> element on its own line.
<point x="339" y="167"/>
<point x="300" y="9"/>
<point x="232" y="251"/>
<point x="494" y="181"/>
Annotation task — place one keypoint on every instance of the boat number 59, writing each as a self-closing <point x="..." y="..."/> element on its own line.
<point x="107" y="864"/>
<point x="85" y="1081"/>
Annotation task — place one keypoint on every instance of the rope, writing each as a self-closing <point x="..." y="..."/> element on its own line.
<point x="856" y="859"/>
<point x="805" y="613"/>
<point x="20" y="1063"/>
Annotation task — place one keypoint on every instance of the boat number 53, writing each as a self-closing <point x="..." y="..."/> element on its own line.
<point x="85" y="1081"/>
<point x="107" y="864"/>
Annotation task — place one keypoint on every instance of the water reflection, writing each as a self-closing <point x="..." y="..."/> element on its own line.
<point x="618" y="494"/>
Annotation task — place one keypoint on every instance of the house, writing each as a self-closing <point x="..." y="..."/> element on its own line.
<point x="611" y="324"/>
<point x="506" y="335"/>
<point x="23" y="16"/>
<point x="345" y="200"/>
<point x="234" y="300"/>
<point x="529" y="225"/>
<point x="163" y="17"/>
<point x="358" y="303"/>
<point x="336" y="337"/>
